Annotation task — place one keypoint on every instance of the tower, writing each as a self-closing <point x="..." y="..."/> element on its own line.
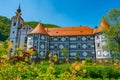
<point x="16" y="25"/>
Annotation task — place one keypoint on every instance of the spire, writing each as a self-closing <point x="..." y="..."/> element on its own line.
<point x="18" y="13"/>
<point x="19" y="9"/>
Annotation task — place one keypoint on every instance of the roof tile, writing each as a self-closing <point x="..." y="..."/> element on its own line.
<point x="38" y="30"/>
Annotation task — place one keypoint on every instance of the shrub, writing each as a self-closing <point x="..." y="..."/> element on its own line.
<point x="88" y="60"/>
<point x="77" y="57"/>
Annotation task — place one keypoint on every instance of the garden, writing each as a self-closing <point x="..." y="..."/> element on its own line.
<point x="21" y="67"/>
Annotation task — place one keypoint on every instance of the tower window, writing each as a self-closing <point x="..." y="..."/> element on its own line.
<point x="13" y="32"/>
<point x="97" y="37"/>
<point x="14" y="24"/>
<point x="21" y="26"/>
<point x="25" y="39"/>
<point x="98" y="45"/>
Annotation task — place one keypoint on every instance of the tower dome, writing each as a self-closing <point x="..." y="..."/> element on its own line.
<point x="19" y="9"/>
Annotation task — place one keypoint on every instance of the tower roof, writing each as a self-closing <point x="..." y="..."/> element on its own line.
<point x="19" y="9"/>
<point x="103" y="26"/>
<point x="38" y="30"/>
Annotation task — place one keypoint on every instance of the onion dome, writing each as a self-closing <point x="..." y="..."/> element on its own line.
<point x="19" y="9"/>
<point x="38" y="30"/>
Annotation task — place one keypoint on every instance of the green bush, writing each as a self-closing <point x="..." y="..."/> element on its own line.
<point x="88" y="60"/>
<point x="102" y="72"/>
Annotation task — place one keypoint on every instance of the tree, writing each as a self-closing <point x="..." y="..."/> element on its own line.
<point x="77" y="57"/>
<point x="46" y="56"/>
<point x="65" y="52"/>
<point x="113" y="33"/>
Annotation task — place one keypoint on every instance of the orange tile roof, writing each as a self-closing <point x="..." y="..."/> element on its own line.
<point x="71" y="31"/>
<point x="38" y="30"/>
<point x="103" y="26"/>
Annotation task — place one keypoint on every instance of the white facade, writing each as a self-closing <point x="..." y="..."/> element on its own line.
<point x="87" y="46"/>
<point x="100" y="42"/>
<point x="18" y="32"/>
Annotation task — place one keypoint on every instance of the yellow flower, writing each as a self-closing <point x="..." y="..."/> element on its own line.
<point x="84" y="71"/>
<point x="100" y="61"/>
<point x="106" y="61"/>
<point x="26" y="59"/>
<point x="33" y="63"/>
<point x="49" y="62"/>
<point x="50" y="55"/>
<point x="94" y="64"/>
<point x="35" y="69"/>
<point x="31" y="52"/>
<point x="9" y="46"/>
<point x="67" y="60"/>
<point x="55" y="60"/>
<point x="74" y="64"/>
<point x="19" y="69"/>
<point x="25" y="68"/>
<point x="83" y="62"/>
<point x="41" y="62"/>
<point x="77" y="68"/>
<point x="5" y="57"/>
<point x="115" y="64"/>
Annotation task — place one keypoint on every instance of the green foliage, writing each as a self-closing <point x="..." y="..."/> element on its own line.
<point x="102" y="72"/>
<point x="5" y="27"/>
<point x="88" y="60"/>
<point x="50" y="26"/>
<point x="46" y="56"/>
<point x="65" y="52"/>
<point x="77" y="57"/>
<point x="33" y="24"/>
<point x="113" y="33"/>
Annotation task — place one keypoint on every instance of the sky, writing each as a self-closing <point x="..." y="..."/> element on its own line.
<point x="64" y="13"/>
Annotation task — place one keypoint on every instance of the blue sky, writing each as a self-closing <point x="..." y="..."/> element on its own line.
<point x="64" y="13"/>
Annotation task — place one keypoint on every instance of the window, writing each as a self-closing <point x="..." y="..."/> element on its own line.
<point x="73" y="39"/>
<point x="89" y="46"/>
<point x="13" y="32"/>
<point x="88" y="38"/>
<point x="14" y="24"/>
<point x="25" y="39"/>
<point x="21" y="26"/>
<point x="59" y="39"/>
<point x="84" y="38"/>
<point x="73" y="46"/>
<point x="12" y="41"/>
<point x="79" y="46"/>
<point x="98" y="45"/>
<point x="97" y="37"/>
